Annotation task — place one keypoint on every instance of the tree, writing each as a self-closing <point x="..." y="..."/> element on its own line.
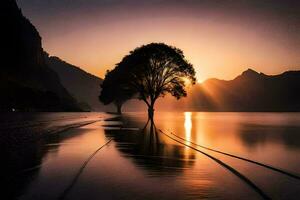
<point x="154" y="70"/>
<point x="113" y="91"/>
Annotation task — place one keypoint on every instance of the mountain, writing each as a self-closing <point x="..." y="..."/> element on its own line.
<point x="26" y="82"/>
<point x="81" y="85"/>
<point x="250" y="91"/>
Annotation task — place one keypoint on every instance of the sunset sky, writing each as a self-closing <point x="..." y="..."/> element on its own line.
<point x="221" y="38"/>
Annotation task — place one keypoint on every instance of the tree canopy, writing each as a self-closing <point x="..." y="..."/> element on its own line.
<point x="152" y="71"/>
<point x="113" y="91"/>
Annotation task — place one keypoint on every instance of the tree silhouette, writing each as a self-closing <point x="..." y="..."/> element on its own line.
<point x="154" y="70"/>
<point x="113" y="91"/>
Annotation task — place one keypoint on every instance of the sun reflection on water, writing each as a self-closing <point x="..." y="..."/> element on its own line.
<point x="188" y="126"/>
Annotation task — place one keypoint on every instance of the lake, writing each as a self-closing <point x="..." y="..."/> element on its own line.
<point x="182" y="155"/>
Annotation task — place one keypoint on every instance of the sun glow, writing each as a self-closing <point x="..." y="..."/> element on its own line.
<point x="187" y="82"/>
<point x="218" y="41"/>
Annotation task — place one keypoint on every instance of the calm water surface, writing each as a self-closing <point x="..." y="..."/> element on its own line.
<point x="140" y="162"/>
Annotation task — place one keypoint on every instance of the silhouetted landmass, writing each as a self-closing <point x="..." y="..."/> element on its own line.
<point x="26" y="82"/>
<point x="251" y="91"/>
<point x="84" y="87"/>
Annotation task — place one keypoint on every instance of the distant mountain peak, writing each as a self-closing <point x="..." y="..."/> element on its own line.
<point x="250" y="72"/>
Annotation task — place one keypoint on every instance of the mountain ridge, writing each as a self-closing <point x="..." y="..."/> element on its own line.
<point x="265" y="93"/>
<point x="26" y="82"/>
<point x="253" y="91"/>
<point x="83" y="86"/>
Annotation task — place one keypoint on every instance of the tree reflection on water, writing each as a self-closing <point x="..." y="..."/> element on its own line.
<point x="148" y="150"/>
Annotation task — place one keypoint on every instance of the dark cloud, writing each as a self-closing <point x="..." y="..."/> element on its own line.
<point x="285" y="8"/>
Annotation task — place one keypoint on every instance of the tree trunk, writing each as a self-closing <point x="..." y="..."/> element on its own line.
<point x="151" y="112"/>
<point x="119" y="108"/>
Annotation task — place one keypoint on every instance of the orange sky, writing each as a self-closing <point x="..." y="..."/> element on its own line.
<point x="218" y="40"/>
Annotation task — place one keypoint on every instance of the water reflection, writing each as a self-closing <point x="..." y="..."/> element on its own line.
<point x="270" y="138"/>
<point x="251" y="135"/>
<point x="22" y="163"/>
<point x="148" y="150"/>
<point x="14" y="161"/>
<point x="141" y="163"/>
<point x="188" y="125"/>
<point x="24" y="159"/>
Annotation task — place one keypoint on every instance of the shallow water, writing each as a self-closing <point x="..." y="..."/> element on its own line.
<point x="140" y="162"/>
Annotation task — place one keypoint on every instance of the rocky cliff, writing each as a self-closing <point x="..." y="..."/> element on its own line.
<point x="26" y="82"/>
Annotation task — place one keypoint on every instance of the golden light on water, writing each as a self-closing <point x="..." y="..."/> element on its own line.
<point x="188" y="125"/>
